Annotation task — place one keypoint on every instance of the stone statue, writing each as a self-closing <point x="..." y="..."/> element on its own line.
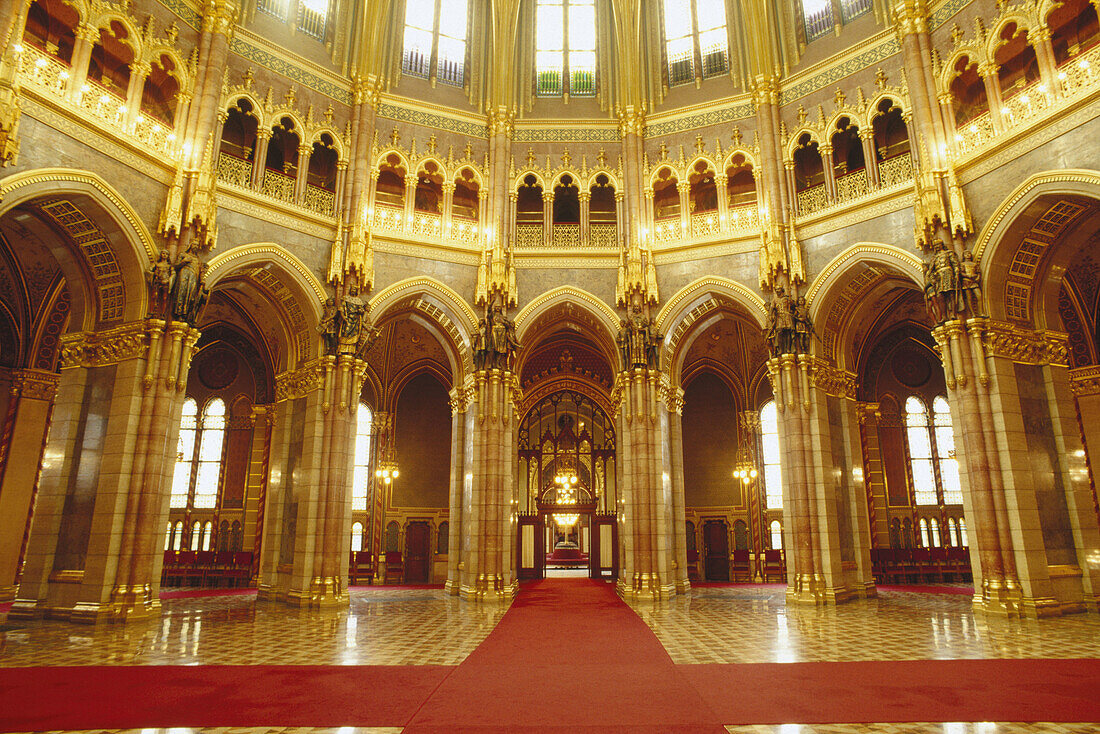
<point x="161" y="279"/>
<point x="781" y="330"/>
<point x="622" y="340"/>
<point x="481" y="346"/>
<point x="329" y="328"/>
<point x="941" y="287"/>
<point x="803" y="326"/>
<point x="188" y="283"/>
<point x="639" y="339"/>
<point x="502" y="339"/>
<point x="970" y="285"/>
<point x="352" y="321"/>
<point x="200" y="302"/>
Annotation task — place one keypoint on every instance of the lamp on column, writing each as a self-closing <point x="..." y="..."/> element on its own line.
<point x="387" y="471"/>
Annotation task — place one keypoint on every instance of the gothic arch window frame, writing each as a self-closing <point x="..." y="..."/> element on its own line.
<point x="564" y="78"/>
<point x="202" y="434"/>
<point x="701" y="61"/>
<point x="940" y="463"/>
<point x="436" y="64"/>
<point x="770" y="448"/>
<point x="364" y="455"/>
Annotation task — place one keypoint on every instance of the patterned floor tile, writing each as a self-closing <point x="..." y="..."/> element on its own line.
<point x="754" y="625"/>
<point x="981" y="727"/>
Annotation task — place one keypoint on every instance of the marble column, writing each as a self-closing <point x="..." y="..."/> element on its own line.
<point x="86" y="36"/>
<point x="95" y="546"/>
<point x="26" y="423"/>
<point x="259" y="160"/>
<point x="486" y="567"/>
<point x="300" y="181"/>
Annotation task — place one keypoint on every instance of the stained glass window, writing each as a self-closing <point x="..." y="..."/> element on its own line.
<point x="695" y="31"/>
<point x="185" y="454"/>
<point x="196" y="536"/>
<point x="773" y="474"/>
<point x="210" y="455"/>
<point x="312" y="15"/>
<point x="817" y="17"/>
<point x="935" y="526"/>
<point x="360" y="488"/>
<point x="920" y="451"/>
<point x="565" y="48"/>
<point x="435" y="29"/>
<point x="963" y="541"/>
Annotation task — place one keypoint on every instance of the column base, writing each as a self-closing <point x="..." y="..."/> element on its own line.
<point x="683" y="586"/>
<point x="327" y="592"/>
<point x="7" y="593"/>
<point x="452" y="587"/>
<point x="810" y="589"/>
<point x="1005" y="599"/>
<point x="85" y="612"/>
<point x="645" y="587"/>
<point x="130" y="603"/>
<point x="488" y="587"/>
<point x="267" y="592"/>
<point x="27" y="609"/>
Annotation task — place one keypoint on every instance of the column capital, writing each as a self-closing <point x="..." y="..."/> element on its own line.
<point x="765" y="90"/>
<point x="112" y="346"/>
<point x="868" y="411"/>
<point x="1085" y="381"/>
<point x="501" y="121"/>
<point x="547" y="196"/>
<point x="86" y="32"/>
<point x="910" y="17"/>
<point x="34" y="384"/>
<point x="631" y="122"/>
<point x="300" y="382"/>
<point x="219" y="16"/>
<point x="1019" y="344"/>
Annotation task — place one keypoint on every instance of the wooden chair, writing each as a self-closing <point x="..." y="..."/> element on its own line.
<point x="693" y="565"/>
<point x="740" y="566"/>
<point x="395" y="568"/>
<point x="774" y="565"/>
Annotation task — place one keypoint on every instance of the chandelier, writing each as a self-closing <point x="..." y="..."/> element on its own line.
<point x="744" y="465"/>
<point x="566" y="495"/>
<point x="387" y="471"/>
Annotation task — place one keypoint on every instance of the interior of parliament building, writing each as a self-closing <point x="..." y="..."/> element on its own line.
<point x="550" y="365"/>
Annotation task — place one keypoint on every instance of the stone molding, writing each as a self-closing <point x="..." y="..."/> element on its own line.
<point x="99" y="349"/>
<point x="300" y="382"/>
<point x="1027" y="346"/>
<point x="1085" y="381"/>
<point x="35" y="384"/>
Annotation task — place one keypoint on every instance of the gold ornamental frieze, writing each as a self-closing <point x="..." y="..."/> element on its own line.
<point x="35" y="384"/>
<point x="300" y="382"/>
<point x="832" y="380"/>
<point x="99" y="349"/>
<point x="1026" y="346"/>
<point x="1085" y="381"/>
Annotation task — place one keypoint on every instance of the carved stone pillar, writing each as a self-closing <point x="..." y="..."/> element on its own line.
<point x="460" y="398"/>
<point x="341" y="181"/>
<point x="448" y="206"/>
<point x="259" y="161"/>
<point x="674" y="404"/>
<point x="25" y="426"/>
<point x="300" y="181"/>
<point x="870" y="157"/>
<point x="828" y="558"/>
<point x="586" y="211"/>
<point x="94" y="550"/>
<point x="314" y="456"/>
<point x="721" y="183"/>
<point x="138" y="74"/>
<point x="992" y="82"/>
<point x="873" y="474"/>
<point x="547" y="217"/>
<point x="830" y="174"/>
<point x="218" y="20"/>
<point x="649" y="569"/>
<point x="1085" y="384"/>
<point x="86" y="36"/>
<point x="1024" y="435"/>
<point x="1039" y="38"/>
<point x="411" y="179"/>
<point x="486" y="567"/>
<point x="683" y="188"/>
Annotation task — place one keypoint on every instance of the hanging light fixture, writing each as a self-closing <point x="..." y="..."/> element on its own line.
<point x="744" y="465"/>
<point x="566" y="495"/>
<point x="387" y="471"/>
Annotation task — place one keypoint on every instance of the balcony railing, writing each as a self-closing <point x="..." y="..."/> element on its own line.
<point x="320" y="200"/>
<point x="528" y="235"/>
<point x="895" y="171"/>
<point x="423" y="225"/>
<point x="51" y="78"/>
<point x="811" y="200"/>
<point x="853" y="186"/>
<point x="278" y="186"/>
<point x="565" y="236"/>
<point x="603" y="236"/>
<point x="234" y="171"/>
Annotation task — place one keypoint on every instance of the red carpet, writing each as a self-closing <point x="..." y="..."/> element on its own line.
<point x="569" y="655"/>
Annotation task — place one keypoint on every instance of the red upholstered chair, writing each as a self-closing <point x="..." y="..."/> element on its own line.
<point x="740" y="566"/>
<point x="190" y="574"/>
<point x="170" y="568"/>
<point x="395" y="568"/>
<point x="239" y="572"/>
<point x="774" y="565"/>
<point x="693" y="565"/>
<point x="363" y="563"/>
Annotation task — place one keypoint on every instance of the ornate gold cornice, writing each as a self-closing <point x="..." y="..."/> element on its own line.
<point x="34" y="384"/>
<point x="501" y="121"/>
<point x="1085" y="381"/>
<point x="832" y="380"/>
<point x="631" y="122"/>
<point x="300" y="382"/>
<point x="1026" y="346"/>
<point x="122" y="343"/>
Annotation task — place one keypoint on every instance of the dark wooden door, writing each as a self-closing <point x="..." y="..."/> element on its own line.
<point x="716" y="545"/>
<point x="530" y="547"/>
<point x="604" y="555"/>
<point x="417" y="553"/>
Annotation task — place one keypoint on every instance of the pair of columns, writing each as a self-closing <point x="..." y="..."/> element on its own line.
<point x="94" y="550"/>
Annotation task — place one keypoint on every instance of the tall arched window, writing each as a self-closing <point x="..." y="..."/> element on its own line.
<point x="168" y="537"/>
<point x="196" y="536"/>
<point x="935" y="526"/>
<point x="695" y="38"/>
<point x="197" y="476"/>
<point x="361" y="479"/>
<point x="357" y="536"/>
<point x="777" y="535"/>
<point x="963" y="541"/>
<point x="952" y="532"/>
<point x="435" y="40"/>
<point x="565" y="48"/>
<point x="177" y="538"/>
<point x="920" y="451"/>
<point x="769" y="439"/>
<point x="924" y="532"/>
<point x="945" y="452"/>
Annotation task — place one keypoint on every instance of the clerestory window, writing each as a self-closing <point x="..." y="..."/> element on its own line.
<point x="565" y="48"/>
<point x="696" y="44"/>
<point x="435" y="40"/>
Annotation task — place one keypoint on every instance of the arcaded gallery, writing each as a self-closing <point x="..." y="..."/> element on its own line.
<point x="550" y="366"/>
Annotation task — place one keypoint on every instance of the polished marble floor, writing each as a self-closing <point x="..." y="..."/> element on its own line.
<point x="752" y="624"/>
<point x="398" y="626"/>
<point x="985" y="727"/>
